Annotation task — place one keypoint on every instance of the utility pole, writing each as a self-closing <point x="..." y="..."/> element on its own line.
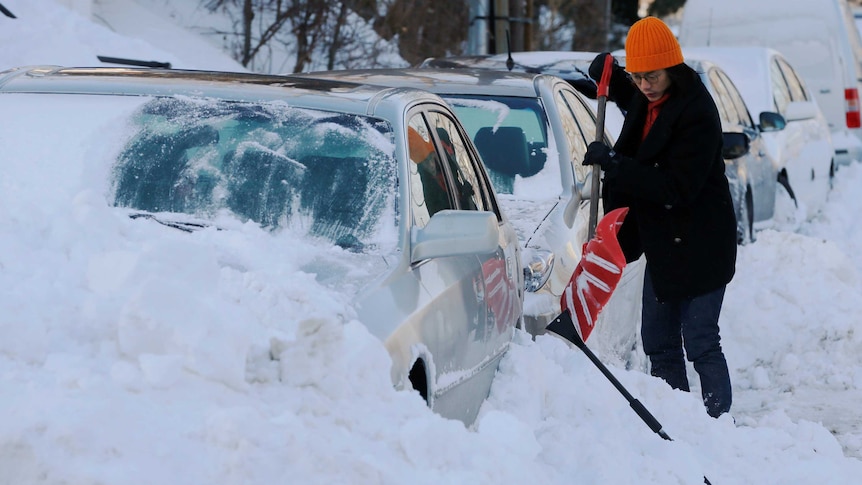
<point x="500" y="11"/>
<point x="477" y="35"/>
<point x="607" y="26"/>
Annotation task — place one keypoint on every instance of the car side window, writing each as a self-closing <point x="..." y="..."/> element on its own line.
<point x="574" y="135"/>
<point x="780" y="91"/>
<point x="429" y="192"/>
<point x="467" y="188"/>
<point x="587" y="128"/>
<point x="797" y="87"/>
<point x="722" y="100"/>
<point x="738" y="103"/>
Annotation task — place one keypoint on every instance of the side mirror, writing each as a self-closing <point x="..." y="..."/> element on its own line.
<point x="455" y="233"/>
<point x="771" y="121"/>
<point x="800" y="110"/>
<point x="735" y="145"/>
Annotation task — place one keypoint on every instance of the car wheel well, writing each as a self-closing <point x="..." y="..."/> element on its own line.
<point x="419" y="379"/>
<point x="745" y="219"/>
<point x="784" y="181"/>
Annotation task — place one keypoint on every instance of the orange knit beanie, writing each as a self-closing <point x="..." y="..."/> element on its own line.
<point x="650" y="46"/>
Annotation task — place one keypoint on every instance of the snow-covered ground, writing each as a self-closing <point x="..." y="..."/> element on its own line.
<point x="135" y="355"/>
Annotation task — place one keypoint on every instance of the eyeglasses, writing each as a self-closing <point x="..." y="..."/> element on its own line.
<point x="650" y="77"/>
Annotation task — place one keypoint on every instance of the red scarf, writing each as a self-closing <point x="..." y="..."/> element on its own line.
<point x="653" y="109"/>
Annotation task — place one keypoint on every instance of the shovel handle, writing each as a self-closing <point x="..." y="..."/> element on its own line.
<point x="606" y="77"/>
<point x="602" y="97"/>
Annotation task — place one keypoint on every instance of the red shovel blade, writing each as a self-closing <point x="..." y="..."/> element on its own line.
<point x="597" y="274"/>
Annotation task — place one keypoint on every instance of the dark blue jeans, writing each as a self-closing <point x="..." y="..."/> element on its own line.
<point x="692" y="324"/>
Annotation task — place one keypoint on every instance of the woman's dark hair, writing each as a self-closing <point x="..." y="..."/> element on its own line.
<point x="682" y="76"/>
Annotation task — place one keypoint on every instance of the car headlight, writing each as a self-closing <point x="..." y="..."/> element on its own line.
<point x="538" y="264"/>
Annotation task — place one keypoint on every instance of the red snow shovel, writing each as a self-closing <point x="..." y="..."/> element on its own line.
<point x="602" y="259"/>
<point x="588" y="291"/>
<point x="597" y="274"/>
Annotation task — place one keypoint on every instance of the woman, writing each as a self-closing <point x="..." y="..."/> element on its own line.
<point x="667" y="168"/>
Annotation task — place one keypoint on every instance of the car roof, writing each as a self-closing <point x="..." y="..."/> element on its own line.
<point x="747" y="67"/>
<point x="444" y="81"/>
<point x="347" y="97"/>
<point x="569" y="65"/>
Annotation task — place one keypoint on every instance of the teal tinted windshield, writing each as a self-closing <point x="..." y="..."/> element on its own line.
<point x="511" y="135"/>
<point x="329" y="174"/>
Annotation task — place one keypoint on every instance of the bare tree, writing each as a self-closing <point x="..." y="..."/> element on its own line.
<point x="591" y="26"/>
<point x="258" y="24"/>
<point x="425" y="28"/>
<point x="267" y="34"/>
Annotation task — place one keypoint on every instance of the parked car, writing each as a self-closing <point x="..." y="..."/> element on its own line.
<point x="820" y="39"/>
<point x="387" y="178"/>
<point x="573" y="67"/>
<point x="569" y="65"/>
<point x="803" y="148"/>
<point x="750" y="169"/>
<point x="532" y="131"/>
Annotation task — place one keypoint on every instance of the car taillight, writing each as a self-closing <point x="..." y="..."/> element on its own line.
<point x="851" y="100"/>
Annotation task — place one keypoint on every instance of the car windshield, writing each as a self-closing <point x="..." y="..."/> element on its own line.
<point x="191" y="162"/>
<point x="321" y="173"/>
<point x="511" y="135"/>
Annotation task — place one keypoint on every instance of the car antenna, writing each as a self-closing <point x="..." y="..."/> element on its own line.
<point x="709" y="28"/>
<point x="134" y="62"/>
<point x="510" y="63"/>
<point x="6" y="12"/>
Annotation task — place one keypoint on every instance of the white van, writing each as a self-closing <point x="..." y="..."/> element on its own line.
<point x="818" y="37"/>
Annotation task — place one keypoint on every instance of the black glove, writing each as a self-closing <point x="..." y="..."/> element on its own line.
<point x="604" y="156"/>
<point x="598" y="65"/>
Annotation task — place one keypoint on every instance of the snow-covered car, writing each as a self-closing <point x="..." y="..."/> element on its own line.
<point x="752" y="173"/>
<point x="746" y="169"/>
<point x="803" y="147"/>
<point x="384" y="182"/>
<point x="532" y="131"/>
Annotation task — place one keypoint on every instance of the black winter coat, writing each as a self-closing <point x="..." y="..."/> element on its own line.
<point x="681" y="213"/>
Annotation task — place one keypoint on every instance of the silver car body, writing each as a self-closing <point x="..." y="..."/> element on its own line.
<point x="444" y="297"/>
<point x="548" y="208"/>
<point x="752" y="179"/>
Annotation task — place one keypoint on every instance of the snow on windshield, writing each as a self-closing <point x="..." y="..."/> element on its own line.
<point x="277" y="166"/>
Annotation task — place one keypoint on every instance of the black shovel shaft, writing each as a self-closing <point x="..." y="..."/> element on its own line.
<point x="565" y="327"/>
<point x="597" y="173"/>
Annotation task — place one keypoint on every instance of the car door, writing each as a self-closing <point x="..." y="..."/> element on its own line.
<point x="806" y="140"/>
<point x="759" y="170"/>
<point x="616" y="329"/>
<point x="472" y="303"/>
<point x="765" y="171"/>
